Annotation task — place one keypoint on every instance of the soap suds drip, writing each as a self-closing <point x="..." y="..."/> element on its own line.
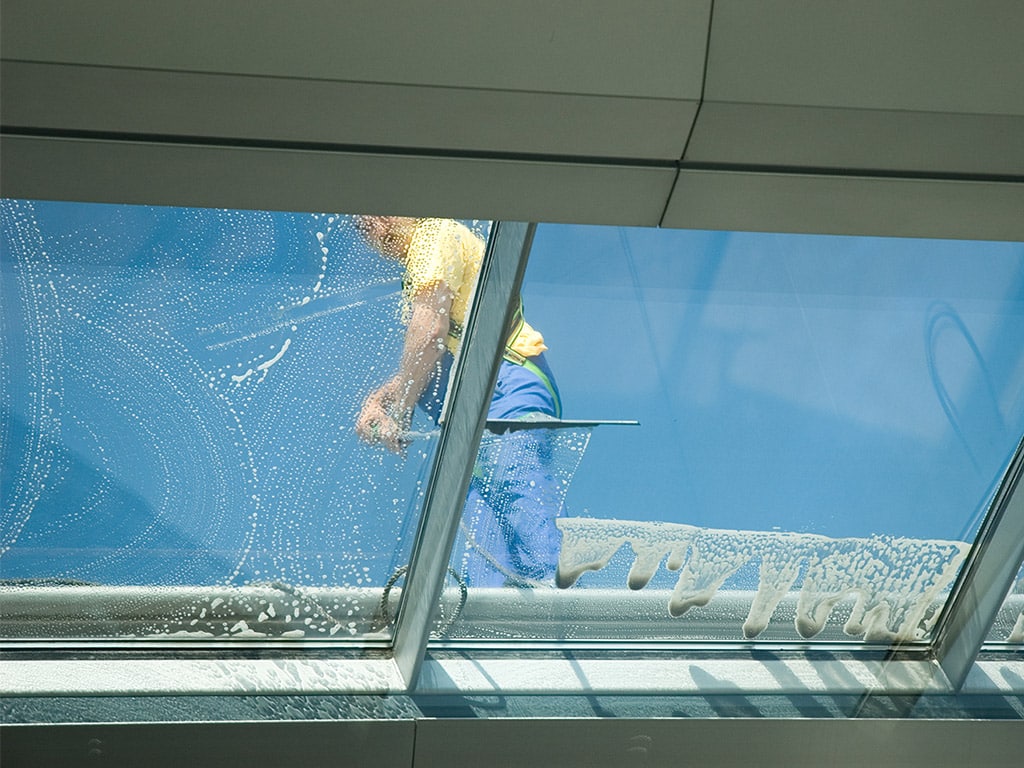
<point x="1017" y="633"/>
<point x="895" y="581"/>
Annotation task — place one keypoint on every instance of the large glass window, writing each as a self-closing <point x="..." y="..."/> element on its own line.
<point x="695" y="436"/>
<point x="180" y="389"/>
<point x="823" y="422"/>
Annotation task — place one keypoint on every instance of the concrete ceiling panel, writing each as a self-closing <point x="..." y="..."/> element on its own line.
<point x="309" y="180"/>
<point x="892" y="141"/>
<point x="929" y="55"/>
<point x="426" y="118"/>
<point x="652" y="50"/>
<point x="847" y="205"/>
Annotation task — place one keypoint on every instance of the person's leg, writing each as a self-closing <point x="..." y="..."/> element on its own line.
<point x="526" y="499"/>
<point x="515" y="476"/>
<point x="507" y="532"/>
<point x="480" y="554"/>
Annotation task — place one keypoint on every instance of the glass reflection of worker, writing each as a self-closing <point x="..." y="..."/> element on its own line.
<point x="508" y="529"/>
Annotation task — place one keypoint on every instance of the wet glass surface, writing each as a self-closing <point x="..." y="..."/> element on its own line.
<point x="180" y="389"/>
<point x="823" y="422"/>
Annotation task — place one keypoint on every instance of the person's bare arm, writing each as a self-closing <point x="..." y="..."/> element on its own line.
<point x="387" y="411"/>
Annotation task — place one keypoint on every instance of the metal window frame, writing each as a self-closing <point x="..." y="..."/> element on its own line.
<point x="472" y="383"/>
<point x="985" y="579"/>
<point x="948" y="664"/>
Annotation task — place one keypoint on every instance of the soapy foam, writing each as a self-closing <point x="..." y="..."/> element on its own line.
<point x="895" y="581"/>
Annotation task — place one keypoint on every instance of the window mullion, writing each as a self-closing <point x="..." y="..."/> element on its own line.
<point x="470" y="392"/>
<point x="987" y="576"/>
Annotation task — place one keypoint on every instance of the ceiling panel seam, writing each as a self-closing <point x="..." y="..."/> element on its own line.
<point x="861" y="173"/>
<point x="363" y="149"/>
<point x="859" y="109"/>
<point x="455" y="154"/>
<point x="696" y="115"/>
<point x="346" y="81"/>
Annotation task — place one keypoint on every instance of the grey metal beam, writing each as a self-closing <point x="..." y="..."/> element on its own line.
<point x="569" y="741"/>
<point x="330" y="741"/>
<point x="774" y="742"/>
<point x="843" y="204"/>
<point x="986" y="578"/>
<point x="469" y="392"/>
<point x="322" y="178"/>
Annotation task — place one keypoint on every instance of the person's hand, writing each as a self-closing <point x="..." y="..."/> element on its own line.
<point x="377" y="426"/>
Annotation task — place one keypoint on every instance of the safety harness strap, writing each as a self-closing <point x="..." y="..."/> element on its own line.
<point x="515" y="328"/>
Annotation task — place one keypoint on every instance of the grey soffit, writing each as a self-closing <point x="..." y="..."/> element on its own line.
<point x="847" y="204"/>
<point x="884" y="119"/>
<point x="922" y="55"/>
<point x="120" y="102"/>
<point x="864" y="140"/>
<point x="603" y="47"/>
<point x="577" y="83"/>
<point x="587" y="82"/>
<point x="729" y="741"/>
<point x="568" y="742"/>
<point x="879" y="88"/>
<point x="527" y="190"/>
<point x="336" y="742"/>
<point x="311" y="180"/>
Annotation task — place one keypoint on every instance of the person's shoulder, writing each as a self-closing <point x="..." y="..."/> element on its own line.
<point x="430" y="230"/>
<point x="438" y="233"/>
<point x="438" y="227"/>
<point x="445" y="225"/>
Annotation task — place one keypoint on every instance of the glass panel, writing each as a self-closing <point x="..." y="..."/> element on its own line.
<point x="1009" y="623"/>
<point x="823" y="422"/>
<point x="180" y="393"/>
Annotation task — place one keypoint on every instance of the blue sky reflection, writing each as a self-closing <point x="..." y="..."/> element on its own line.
<point x="835" y="385"/>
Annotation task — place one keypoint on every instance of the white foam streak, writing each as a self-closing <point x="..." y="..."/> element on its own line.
<point x="264" y="366"/>
<point x="1017" y="634"/>
<point x="896" y="581"/>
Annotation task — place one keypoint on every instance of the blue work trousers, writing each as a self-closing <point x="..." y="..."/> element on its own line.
<point x="507" y="535"/>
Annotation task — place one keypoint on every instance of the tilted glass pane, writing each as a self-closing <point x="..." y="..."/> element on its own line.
<point x="823" y="422"/>
<point x="180" y="391"/>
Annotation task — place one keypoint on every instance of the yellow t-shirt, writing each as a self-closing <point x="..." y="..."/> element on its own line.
<point x="445" y="251"/>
